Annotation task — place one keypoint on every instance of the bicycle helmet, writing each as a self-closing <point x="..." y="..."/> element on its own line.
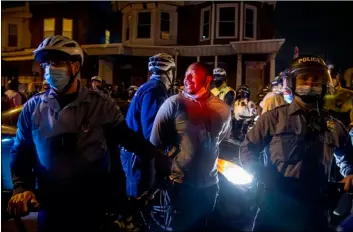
<point x="161" y="62"/>
<point x="219" y="74"/>
<point x="243" y="92"/>
<point x="63" y="47"/>
<point x="97" y="78"/>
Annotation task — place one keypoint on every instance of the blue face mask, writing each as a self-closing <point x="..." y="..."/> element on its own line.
<point x="56" y="77"/>
<point x="287" y="95"/>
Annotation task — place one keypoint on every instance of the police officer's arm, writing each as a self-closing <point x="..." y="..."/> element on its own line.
<point x="229" y="98"/>
<point x="344" y="152"/>
<point x="151" y="102"/>
<point x="115" y="125"/>
<point x="255" y="141"/>
<point x="161" y="126"/>
<point x="23" y="151"/>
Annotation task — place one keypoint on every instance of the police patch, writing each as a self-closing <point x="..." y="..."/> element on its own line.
<point x="310" y="59"/>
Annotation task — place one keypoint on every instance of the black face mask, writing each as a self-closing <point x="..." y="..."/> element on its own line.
<point x="217" y="83"/>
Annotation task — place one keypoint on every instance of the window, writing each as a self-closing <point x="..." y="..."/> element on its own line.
<point x="107" y="37"/>
<point x="144" y="25"/>
<point x="49" y="27"/>
<point x="205" y="23"/>
<point x="127" y="29"/>
<point x="250" y="22"/>
<point x="67" y="28"/>
<point x="165" y="25"/>
<point x="227" y="20"/>
<point x="12" y="35"/>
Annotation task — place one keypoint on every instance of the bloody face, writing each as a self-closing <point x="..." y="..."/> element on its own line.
<point x="195" y="79"/>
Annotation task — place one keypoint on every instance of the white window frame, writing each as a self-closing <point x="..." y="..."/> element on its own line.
<point x="17" y="34"/>
<point x="63" y="29"/>
<point x="202" y="23"/>
<point x="137" y="24"/>
<point x="236" y="20"/>
<point x="254" y="9"/>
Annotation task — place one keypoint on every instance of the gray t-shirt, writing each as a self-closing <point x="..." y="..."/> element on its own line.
<point x="191" y="132"/>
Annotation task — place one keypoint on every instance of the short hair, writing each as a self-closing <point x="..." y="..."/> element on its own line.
<point x="208" y="68"/>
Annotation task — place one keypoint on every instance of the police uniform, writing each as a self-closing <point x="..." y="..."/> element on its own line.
<point x="68" y="150"/>
<point x="222" y="93"/>
<point x="297" y="167"/>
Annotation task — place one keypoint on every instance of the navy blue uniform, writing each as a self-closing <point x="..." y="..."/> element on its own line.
<point x="297" y="168"/>
<point x="140" y="117"/>
<point x="66" y="147"/>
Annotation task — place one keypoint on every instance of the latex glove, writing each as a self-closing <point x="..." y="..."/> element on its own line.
<point x="348" y="183"/>
<point x="18" y="204"/>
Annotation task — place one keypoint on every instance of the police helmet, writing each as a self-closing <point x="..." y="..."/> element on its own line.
<point x="306" y="65"/>
<point x="243" y="92"/>
<point x="261" y="95"/>
<point x="219" y="74"/>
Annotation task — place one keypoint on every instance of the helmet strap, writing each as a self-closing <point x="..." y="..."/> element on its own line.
<point x="71" y="80"/>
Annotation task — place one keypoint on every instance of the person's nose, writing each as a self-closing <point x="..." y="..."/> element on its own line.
<point x="188" y="77"/>
<point x="309" y="81"/>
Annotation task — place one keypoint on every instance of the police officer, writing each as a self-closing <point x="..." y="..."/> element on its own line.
<point x="140" y="117"/>
<point x="301" y="141"/>
<point x="279" y="95"/>
<point x="244" y="112"/>
<point x="97" y="85"/>
<point x="221" y="89"/>
<point x="62" y="135"/>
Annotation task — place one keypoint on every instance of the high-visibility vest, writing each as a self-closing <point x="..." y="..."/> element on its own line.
<point x="221" y="93"/>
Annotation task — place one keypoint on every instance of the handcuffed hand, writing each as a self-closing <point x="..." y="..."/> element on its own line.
<point x="163" y="165"/>
<point x="18" y="204"/>
<point x="348" y="183"/>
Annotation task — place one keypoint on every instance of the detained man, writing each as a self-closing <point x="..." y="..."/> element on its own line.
<point x="190" y="127"/>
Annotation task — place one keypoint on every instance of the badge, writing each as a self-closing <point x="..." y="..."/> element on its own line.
<point x="331" y="125"/>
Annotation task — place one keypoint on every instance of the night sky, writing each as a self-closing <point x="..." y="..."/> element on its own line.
<point x="320" y="28"/>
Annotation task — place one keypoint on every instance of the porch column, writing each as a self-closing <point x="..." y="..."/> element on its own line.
<point x="176" y="63"/>
<point x="198" y="58"/>
<point x="215" y="61"/>
<point x="239" y="70"/>
<point x="105" y="71"/>
<point x="272" y="66"/>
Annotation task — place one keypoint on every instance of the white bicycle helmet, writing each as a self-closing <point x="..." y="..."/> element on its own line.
<point x="96" y="78"/>
<point x="219" y="73"/>
<point x="161" y="62"/>
<point x="59" y="44"/>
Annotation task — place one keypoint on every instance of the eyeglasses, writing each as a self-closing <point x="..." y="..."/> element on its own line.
<point x="54" y="63"/>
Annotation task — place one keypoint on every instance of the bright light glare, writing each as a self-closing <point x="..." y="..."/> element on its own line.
<point x="238" y="176"/>
<point x="5" y="140"/>
<point x="234" y="173"/>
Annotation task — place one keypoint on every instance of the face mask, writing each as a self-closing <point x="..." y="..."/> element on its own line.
<point x="56" y="77"/>
<point x="306" y="90"/>
<point x="217" y="83"/>
<point x="199" y="94"/>
<point x="287" y="95"/>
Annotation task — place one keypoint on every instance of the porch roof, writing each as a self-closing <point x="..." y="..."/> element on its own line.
<point x="233" y="48"/>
